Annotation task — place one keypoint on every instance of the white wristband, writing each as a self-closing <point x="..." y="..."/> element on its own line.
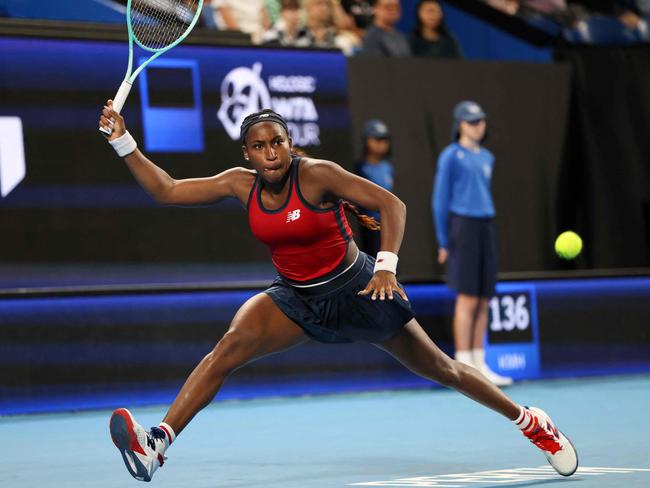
<point x="386" y="261"/>
<point x="124" y="145"/>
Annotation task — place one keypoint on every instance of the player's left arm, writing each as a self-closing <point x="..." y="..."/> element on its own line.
<point x="333" y="179"/>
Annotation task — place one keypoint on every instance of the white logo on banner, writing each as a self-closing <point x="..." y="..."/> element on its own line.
<point x="12" y="154"/>
<point x="244" y="91"/>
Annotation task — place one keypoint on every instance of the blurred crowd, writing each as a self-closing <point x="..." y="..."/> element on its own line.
<point x="356" y="27"/>
<point x="631" y="14"/>
<point x="369" y="27"/>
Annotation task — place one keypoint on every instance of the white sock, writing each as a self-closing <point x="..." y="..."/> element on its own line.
<point x="464" y="357"/>
<point x="170" y="435"/>
<point x="525" y="419"/>
<point x="478" y="356"/>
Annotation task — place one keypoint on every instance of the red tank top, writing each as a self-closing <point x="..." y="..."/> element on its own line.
<point x="306" y="242"/>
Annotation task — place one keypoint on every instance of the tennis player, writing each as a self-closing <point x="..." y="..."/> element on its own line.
<point x="326" y="289"/>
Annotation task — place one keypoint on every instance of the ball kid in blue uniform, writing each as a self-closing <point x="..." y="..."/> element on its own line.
<point x="326" y="290"/>
<point x="464" y="219"/>
<point x="375" y="166"/>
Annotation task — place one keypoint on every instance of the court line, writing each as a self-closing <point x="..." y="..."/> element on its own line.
<point x="501" y="476"/>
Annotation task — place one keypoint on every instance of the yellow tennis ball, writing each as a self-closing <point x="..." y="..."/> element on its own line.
<point x="568" y="245"/>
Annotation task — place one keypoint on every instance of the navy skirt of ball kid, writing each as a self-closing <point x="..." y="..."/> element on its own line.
<point x="333" y="312"/>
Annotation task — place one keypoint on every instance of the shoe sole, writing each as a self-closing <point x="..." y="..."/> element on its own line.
<point x="125" y="439"/>
<point x="542" y="412"/>
<point x="576" y="453"/>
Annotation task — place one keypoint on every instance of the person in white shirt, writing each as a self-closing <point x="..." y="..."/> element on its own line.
<point x="249" y="16"/>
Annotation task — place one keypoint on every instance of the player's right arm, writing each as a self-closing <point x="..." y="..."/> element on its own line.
<point x="234" y="182"/>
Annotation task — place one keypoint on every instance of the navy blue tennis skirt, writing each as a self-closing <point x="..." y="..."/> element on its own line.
<point x="472" y="264"/>
<point x="334" y="313"/>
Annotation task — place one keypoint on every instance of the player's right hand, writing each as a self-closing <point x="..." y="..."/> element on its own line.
<point x="110" y="119"/>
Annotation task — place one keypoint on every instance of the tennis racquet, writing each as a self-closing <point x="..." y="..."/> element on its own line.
<point x="156" y="26"/>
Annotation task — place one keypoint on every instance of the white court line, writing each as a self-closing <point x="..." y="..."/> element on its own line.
<point x="500" y="476"/>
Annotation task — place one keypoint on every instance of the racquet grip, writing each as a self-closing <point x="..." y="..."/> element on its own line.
<point x="122" y="93"/>
<point x="118" y="103"/>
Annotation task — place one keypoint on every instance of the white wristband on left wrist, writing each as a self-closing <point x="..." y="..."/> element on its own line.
<point x="386" y="261"/>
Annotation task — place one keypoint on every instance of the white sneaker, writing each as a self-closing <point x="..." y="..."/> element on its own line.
<point x="557" y="448"/>
<point x="495" y="378"/>
<point x="142" y="452"/>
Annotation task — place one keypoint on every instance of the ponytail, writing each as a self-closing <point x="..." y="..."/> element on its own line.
<point x="365" y="220"/>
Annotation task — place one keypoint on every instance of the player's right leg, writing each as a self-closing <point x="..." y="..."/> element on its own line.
<point x="259" y="328"/>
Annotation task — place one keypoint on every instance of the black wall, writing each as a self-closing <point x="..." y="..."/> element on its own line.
<point x="605" y="177"/>
<point x="527" y="107"/>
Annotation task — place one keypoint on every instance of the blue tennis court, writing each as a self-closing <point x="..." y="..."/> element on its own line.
<point x="393" y="438"/>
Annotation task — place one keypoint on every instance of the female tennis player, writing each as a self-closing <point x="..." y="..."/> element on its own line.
<point x="326" y="290"/>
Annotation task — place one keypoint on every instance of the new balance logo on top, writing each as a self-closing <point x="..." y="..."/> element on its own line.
<point x="151" y="442"/>
<point x="293" y="215"/>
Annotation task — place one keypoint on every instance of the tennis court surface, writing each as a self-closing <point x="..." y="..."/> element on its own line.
<point x="415" y="438"/>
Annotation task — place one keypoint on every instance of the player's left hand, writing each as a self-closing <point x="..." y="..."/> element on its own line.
<point x="383" y="284"/>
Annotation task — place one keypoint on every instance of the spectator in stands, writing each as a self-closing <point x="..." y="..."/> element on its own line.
<point x="246" y="16"/>
<point x="635" y="15"/>
<point x="272" y="8"/>
<point x="548" y="7"/>
<point x="510" y="7"/>
<point x="544" y="14"/>
<point x="289" y="29"/>
<point x="431" y="38"/>
<point x="361" y="12"/>
<point x="382" y="38"/>
<point x="631" y="19"/>
<point x="643" y="6"/>
<point x="326" y="23"/>
<point x="376" y="167"/>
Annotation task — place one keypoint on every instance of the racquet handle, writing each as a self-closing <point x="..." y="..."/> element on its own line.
<point x="122" y="93"/>
<point x="118" y="103"/>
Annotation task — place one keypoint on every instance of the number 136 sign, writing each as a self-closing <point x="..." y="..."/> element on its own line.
<point x="512" y="343"/>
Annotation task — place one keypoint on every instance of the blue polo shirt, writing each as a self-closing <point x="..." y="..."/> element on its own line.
<point x="462" y="186"/>
<point x="381" y="173"/>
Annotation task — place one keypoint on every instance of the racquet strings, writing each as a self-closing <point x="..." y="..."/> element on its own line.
<point x="157" y="24"/>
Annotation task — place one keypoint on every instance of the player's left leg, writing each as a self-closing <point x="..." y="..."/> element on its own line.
<point x="415" y="349"/>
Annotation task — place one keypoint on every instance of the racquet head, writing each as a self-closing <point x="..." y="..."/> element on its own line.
<point x="156" y="25"/>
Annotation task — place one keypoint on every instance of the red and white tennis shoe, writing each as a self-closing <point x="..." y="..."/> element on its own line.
<point x="558" y="449"/>
<point x="143" y="452"/>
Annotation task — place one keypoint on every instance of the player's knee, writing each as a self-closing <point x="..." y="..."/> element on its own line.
<point x="448" y="373"/>
<point x="231" y="352"/>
